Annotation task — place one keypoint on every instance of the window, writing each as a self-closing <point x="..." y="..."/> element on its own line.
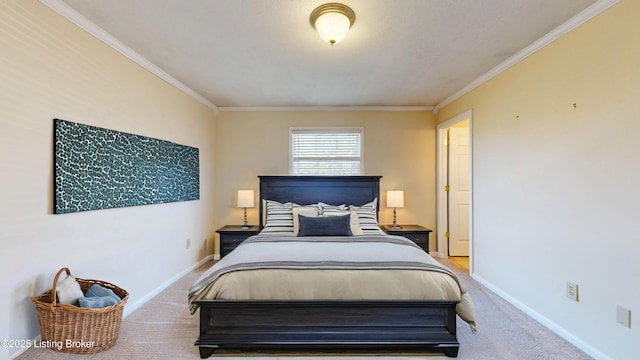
<point x="326" y="151"/>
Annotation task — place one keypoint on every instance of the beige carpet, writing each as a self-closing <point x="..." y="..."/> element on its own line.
<point x="163" y="329"/>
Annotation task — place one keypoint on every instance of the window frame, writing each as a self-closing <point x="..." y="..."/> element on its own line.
<point x="326" y="130"/>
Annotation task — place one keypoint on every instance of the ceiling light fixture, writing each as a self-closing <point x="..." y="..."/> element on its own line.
<point x="332" y="21"/>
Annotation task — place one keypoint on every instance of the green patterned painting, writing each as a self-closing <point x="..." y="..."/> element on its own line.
<point x="97" y="168"/>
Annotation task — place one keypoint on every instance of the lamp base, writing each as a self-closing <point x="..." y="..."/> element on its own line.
<point x="245" y="226"/>
<point x="395" y="225"/>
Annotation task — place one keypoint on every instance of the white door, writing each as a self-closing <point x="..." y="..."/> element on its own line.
<point x="459" y="191"/>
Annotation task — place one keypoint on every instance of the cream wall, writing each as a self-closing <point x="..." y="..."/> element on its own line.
<point x="50" y="68"/>
<point x="400" y="146"/>
<point x="554" y="192"/>
<point x="556" y="188"/>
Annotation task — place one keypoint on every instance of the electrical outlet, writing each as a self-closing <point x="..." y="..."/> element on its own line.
<point x="623" y="316"/>
<point x="188" y="243"/>
<point x="572" y="291"/>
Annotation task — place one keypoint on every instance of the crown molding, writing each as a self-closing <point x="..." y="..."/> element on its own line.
<point x="325" y="108"/>
<point x="68" y="13"/>
<point x="582" y="17"/>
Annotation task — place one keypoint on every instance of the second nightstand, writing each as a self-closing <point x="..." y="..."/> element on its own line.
<point x="416" y="233"/>
<point x="232" y="235"/>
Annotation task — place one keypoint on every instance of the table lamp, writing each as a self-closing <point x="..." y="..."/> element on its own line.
<point x="395" y="199"/>
<point x="245" y="200"/>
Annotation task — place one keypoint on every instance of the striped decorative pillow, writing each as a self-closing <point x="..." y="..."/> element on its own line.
<point x="279" y="217"/>
<point x="368" y="217"/>
<point x="326" y="209"/>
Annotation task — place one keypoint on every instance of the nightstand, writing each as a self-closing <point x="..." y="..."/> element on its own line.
<point x="232" y="235"/>
<point x="416" y="233"/>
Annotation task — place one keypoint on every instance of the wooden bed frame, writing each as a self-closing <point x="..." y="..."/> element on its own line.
<point x="328" y="325"/>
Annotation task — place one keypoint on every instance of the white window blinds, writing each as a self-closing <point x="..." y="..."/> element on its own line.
<point x="326" y="151"/>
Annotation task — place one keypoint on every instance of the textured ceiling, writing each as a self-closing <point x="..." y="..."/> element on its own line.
<point x="265" y="53"/>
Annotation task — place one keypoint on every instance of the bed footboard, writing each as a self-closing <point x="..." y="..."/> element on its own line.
<point x="400" y="326"/>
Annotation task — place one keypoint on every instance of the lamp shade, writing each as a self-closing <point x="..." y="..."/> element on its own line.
<point x="395" y="198"/>
<point x="245" y="198"/>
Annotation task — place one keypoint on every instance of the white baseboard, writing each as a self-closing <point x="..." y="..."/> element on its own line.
<point x="133" y="307"/>
<point x="560" y="331"/>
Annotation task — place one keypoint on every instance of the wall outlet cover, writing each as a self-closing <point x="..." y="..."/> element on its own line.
<point x="572" y="291"/>
<point x="623" y="316"/>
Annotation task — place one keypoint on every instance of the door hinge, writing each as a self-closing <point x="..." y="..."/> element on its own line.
<point x="446" y="188"/>
<point x="446" y="141"/>
<point x="447" y="234"/>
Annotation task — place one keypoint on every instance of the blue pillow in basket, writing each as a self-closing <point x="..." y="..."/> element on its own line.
<point x="98" y="297"/>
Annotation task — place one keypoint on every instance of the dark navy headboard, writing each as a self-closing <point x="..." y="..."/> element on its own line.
<point x="334" y="190"/>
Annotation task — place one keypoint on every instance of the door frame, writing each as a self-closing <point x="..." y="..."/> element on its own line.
<point x="441" y="180"/>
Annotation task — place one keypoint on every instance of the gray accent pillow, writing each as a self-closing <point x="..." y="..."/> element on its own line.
<point x="325" y="226"/>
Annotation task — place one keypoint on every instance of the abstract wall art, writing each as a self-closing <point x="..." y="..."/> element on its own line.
<point x="96" y="168"/>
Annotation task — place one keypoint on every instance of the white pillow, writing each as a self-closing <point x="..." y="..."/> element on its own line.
<point x="68" y="290"/>
<point x="304" y="211"/>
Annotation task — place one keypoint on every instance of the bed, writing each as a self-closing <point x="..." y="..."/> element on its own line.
<point x="239" y="320"/>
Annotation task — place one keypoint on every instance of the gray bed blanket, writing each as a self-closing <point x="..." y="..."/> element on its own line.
<point x="365" y="252"/>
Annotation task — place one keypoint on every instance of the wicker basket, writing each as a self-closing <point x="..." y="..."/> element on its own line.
<point x="72" y="329"/>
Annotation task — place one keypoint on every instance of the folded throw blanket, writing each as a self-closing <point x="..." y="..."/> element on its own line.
<point x="97" y="290"/>
<point x="96" y="302"/>
<point x="98" y="297"/>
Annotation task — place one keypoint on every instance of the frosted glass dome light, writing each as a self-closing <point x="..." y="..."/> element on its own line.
<point x="332" y="21"/>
